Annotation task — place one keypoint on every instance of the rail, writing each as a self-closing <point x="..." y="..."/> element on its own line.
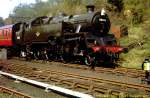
<point x="47" y="86"/>
<point x="12" y="93"/>
<point x="90" y="83"/>
<point x="130" y="72"/>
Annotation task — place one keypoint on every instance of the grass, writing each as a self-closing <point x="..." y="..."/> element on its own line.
<point x="5" y="95"/>
<point x="135" y="57"/>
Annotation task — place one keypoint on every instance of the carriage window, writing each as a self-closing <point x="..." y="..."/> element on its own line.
<point x="0" y="34"/>
<point x="3" y="34"/>
<point x="6" y="33"/>
<point x="10" y="32"/>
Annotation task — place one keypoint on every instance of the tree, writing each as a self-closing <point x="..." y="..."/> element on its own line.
<point x="1" y="21"/>
<point x="118" y="4"/>
<point x="8" y="21"/>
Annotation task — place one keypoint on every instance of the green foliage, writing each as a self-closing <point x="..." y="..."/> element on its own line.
<point x="138" y="30"/>
<point x="139" y="8"/>
<point x="49" y="8"/>
<point x="5" y="95"/>
<point x="1" y="21"/>
<point x="118" y="4"/>
<point x="69" y="7"/>
<point x="22" y="12"/>
<point x="137" y="17"/>
<point x="135" y="57"/>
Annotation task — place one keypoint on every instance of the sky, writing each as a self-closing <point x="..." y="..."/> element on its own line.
<point x="7" y="6"/>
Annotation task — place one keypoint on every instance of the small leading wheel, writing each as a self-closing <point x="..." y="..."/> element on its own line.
<point x="88" y="60"/>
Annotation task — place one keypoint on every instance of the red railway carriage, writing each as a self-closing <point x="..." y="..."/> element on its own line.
<point x="6" y="36"/>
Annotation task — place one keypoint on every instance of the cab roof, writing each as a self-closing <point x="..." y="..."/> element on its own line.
<point x="6" y="26"/>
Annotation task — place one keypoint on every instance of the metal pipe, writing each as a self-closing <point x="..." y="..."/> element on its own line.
<point x="48" y="86"/>
<point x="78" y="28"/>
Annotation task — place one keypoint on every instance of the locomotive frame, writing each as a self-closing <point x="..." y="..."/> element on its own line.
<point x="83" y="38"/>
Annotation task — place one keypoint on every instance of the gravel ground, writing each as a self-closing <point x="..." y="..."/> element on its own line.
<point x="60" y="67"/>
<point x="27" y="89"/>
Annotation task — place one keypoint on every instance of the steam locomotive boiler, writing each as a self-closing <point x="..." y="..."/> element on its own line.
<point x="82" y="38"/>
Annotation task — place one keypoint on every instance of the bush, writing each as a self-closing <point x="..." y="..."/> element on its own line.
<point x="137" y="17"/>
<point x="118" y="4"/>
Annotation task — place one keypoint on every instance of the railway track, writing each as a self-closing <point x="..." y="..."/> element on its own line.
<point x="12" y="93"/>
<point x="130" y="72"/>
<point x="89" y="84"/>
<point x="135" y="73"/>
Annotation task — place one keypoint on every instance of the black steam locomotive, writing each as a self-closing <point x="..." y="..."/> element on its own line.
<point x="83" y="38"/>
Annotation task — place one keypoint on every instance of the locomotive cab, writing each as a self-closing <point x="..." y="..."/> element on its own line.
<point x="18" y="33"/>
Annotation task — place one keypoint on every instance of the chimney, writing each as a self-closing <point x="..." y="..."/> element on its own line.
<point x="90" y="8"/>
